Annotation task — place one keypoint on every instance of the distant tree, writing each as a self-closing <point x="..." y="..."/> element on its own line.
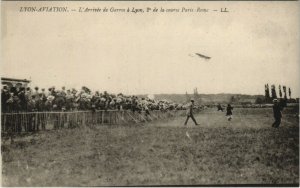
<point x="284" y="101"/>
<point x="273" y="91"/>
<point x="267" y="93"/>
<point x="232" y="99"/>
<point x="187" y="98"/>
<point x="284" y="91"/>
<point x="290" y="93"/>
<point x="259" y="100"/>
<point x="196" y="96"/>
<point x="280" y="93"/>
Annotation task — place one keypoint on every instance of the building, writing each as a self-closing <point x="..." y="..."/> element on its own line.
<point x="12" y="82"/>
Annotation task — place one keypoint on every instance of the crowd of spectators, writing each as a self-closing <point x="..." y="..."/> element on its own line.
<point x="26" y="99"/>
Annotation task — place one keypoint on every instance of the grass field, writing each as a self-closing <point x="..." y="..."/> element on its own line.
<point x="246" y="150"/>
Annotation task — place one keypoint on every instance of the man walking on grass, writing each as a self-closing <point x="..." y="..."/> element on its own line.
<point x="189" y="113"/>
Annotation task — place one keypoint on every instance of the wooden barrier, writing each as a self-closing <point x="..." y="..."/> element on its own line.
<point x="36" y="121"/>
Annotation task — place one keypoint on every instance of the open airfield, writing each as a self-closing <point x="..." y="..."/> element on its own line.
<point x="246" y="150"/>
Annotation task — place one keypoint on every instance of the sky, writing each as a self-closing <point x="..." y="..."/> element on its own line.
<point x="253" y="44"/>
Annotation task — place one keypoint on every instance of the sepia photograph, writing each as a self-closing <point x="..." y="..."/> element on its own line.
<point x="150" y="93"/>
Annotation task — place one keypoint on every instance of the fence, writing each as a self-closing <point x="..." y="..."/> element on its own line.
<point x="35" y="121"/>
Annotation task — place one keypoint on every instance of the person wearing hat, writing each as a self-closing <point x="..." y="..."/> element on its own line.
<point x="49" y="92"/>
<point x="63" y="91"/>
<point x="36" y="93"/>
<point x="277" y="113"/>
<point x="69" y="100"/>
<point x="189" y="113"/>
<point x="22" y="97"/>
<point x="229" y="112"/>
<point x="41" y="107"/>
<point x="44" y="93"/>
<point x="31" y="107"/>
<point x="220" y="107"/>
<point x="5" y="95"/>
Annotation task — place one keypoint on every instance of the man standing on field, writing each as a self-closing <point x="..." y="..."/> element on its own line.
<point x="277" y="113"/>
<point x="229" y="112"/>
<point x="189" y="113"/>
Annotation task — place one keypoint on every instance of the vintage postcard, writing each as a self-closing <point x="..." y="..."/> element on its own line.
<point x="150" y="93"/>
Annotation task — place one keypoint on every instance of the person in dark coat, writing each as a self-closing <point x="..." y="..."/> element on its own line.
<point x="23" y="101"/>
<point x="220" y="108"/>
<point x="59" y="106"/>
<point x="5" y="95"/>
<point x="31" y="107"/>
<point x="13" y="102"/>
<point x="59" y="102"/>
<point x="69" y="101"/>
<point x="277" y="108"/>
<point x="134" y="104"/>
<point x="190" y="114"/>
<point x="41" y="107"/>
<point x="229" y="112"/>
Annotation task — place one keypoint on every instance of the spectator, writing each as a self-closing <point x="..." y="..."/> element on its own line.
<point x="277" y="113"/>
<point x="220" y="108"/>
<point x="229" y="112"/>
<point x="22" y="99"/>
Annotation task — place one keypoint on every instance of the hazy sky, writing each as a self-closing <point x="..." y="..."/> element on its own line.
<point x="255" y="43"/>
